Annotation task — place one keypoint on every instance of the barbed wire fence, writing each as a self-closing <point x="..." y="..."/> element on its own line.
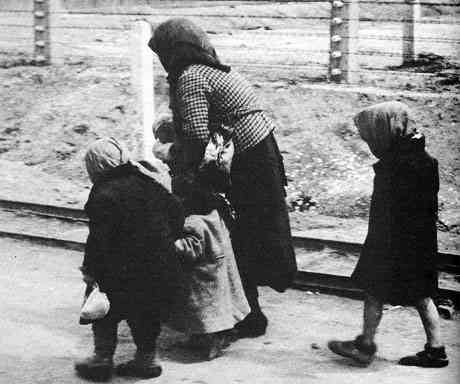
<point x="340" y="40"/>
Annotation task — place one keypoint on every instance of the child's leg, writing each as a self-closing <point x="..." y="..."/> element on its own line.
<point x="434" y="353"/>
<point x="105" y="338"/>
<point x="100" y="365"/>
<point x="372" y="314"/>
<point x="363" y="348"/>
<point x="145" y="329"/>
<point x="430" y="319"/>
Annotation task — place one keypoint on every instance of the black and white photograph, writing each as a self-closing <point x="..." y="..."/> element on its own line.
<point x="230" y="191"/>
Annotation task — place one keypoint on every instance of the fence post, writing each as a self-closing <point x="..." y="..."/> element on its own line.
<point x="42" y="49"/>
<point x="344" y="29"/>
<point x="411" y="17"/>
<point x="142" y="82"/>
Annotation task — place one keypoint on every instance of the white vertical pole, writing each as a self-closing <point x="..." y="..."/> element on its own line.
<point x="344" y="29"/>
<point x="142" y="82"/>
<point x="411" y="17"/>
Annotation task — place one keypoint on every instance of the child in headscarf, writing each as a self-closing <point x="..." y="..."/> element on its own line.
<point x="211" y="300"/>
<point x="205" y="96"/>
<point x="398" y="259"/>
<point x="133" y="223"/>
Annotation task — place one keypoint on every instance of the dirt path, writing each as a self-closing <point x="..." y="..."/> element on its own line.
<point x="41" y="292"/>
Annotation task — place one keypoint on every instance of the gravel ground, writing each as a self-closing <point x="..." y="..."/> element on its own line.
<point x="41" y="337"/>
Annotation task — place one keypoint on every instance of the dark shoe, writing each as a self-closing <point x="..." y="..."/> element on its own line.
<point x="95" y="368"/>
<point x="144" y="365"/>
<point x="254" y="325"/>
<point x="217" y="343"/>
<point x="355" y="349"/>
<point x="210" y="345"/>
<point x="428" y="358"/>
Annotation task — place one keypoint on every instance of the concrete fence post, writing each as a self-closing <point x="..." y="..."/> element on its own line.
<point x="142" y="82"/>
<point x="411" y="18"/>
<point x="42" y="44"/>
<point x="344" y="38"/>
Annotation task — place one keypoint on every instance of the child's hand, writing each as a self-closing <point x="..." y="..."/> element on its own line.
<point x="179" y="246"/>
<point x="88" y="279"/>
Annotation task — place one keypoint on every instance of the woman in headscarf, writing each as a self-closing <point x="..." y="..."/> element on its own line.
<point x="133" y="224"/>
<point x="206" y="96"/>
<point x="398" y="259"/>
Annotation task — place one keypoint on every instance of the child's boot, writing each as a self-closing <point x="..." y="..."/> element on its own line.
<point x="96" y="368"/>
<point x="99" y="367"/>
<point x="355" y="349"/>
<point x="428" y="358"/>
<point x="144" y="365"/>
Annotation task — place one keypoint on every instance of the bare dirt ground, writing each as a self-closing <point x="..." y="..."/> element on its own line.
<point x="41" y="337"/>
<point x="50" y="114"/>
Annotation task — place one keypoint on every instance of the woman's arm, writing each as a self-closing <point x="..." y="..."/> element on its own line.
<point x="192" y="115"/>
<point x="176" y="216"/>
<point x="415" y="189"/>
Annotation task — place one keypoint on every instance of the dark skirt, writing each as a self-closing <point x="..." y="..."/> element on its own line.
<point x="262" y="234"/>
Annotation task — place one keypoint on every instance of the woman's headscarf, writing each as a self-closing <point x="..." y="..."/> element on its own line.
<point x="384" y="126"/>
<point x="179" y="43"/>
<point x="103" y="155"/>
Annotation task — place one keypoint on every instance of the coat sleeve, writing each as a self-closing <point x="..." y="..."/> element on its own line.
<point x="416" y="188"/>
<point x="192" y="110"/>
<point x="190" y="248"/>
<point x="176" y="216"/>
<point x="102" y="214"/>
<point x="433" y="189"/>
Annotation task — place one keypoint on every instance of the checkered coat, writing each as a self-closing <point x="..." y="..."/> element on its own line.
<point x="204" y="99"/>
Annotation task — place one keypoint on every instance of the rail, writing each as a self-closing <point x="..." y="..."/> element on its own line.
<point x="305" y="280"/>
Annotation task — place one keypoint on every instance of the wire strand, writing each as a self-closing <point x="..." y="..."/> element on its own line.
<point x="272" y="17"/>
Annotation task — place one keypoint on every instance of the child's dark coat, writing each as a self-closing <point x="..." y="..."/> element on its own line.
<point x="134" y="222"/>
<point x="398" y="260"/>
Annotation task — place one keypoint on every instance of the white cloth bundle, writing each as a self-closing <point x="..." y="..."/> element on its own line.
<point x="95" y="306"/>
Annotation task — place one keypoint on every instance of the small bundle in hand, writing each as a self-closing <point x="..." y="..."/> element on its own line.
<point x="95" y="306"/>
<point x="217" y="162"/>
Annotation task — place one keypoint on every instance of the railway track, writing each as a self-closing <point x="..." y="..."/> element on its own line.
<point x="313" y="281"/>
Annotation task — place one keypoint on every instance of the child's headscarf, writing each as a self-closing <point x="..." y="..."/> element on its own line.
<point x="383" y="126"/>
<point x="179" y="43"/>
<point x="104" y="155"/>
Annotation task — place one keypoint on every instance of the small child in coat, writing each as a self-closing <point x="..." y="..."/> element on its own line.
<point x="133" y="223"/>
<point x="398" y="260"/>
<point x="212" y="298"/>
